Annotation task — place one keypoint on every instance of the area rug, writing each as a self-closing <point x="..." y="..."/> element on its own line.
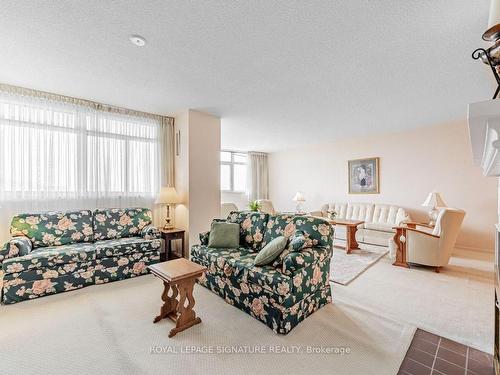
<point x="109" y="329"/>
<point x="344" y="267"/>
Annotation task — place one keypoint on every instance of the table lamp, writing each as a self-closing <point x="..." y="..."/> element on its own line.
<point x="299" y="198"/>
<point x="168" y="196"/>
<point x="432" y="202"/>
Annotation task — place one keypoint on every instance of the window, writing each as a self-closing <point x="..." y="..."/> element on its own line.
<point x="233" y="171"/>
<point x="64" y="150"/>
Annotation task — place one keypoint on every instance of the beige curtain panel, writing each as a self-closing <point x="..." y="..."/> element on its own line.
<point x="167" y="151"/>
<point x="258" y="176"/>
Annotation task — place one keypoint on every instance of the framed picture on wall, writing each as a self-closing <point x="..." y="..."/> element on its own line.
<point x="363" y="176"/>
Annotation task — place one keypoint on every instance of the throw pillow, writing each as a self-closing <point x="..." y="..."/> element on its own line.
<point x="297" y="243"/>
<point x="225" y="235"/>
<point x="271" y="251"/>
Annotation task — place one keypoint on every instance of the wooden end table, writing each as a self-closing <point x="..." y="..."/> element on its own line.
<point x="178" y="275"/>
<point x="168" y="236"/>
<point x="351" y="228"/>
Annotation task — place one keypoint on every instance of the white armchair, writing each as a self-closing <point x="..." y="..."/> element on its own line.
<point x="423" y="246"/>
<point x="266" y="206"/>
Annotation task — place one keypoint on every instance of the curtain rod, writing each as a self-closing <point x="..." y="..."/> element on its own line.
<point x="11" y="89"/>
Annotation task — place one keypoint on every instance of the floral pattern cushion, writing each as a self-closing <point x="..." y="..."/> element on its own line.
<point x="118" y="223"/>
<point x="317" y="232"/>
<point x="50" y="257"/>
<point x="39" y="283"/>
<point x="16" y="247"/>
<point x="122" y="246"/>
<point x="252" y="227"/>
<point x="125" y="266"/>
<point x="54" y="228"/>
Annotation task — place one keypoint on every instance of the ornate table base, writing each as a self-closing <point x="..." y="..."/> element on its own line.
<point x="179" y="277"/>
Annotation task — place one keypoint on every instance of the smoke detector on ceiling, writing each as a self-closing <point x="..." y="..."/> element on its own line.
<point x="137" y="40"/>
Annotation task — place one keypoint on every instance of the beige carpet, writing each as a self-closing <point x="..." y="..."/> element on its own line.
<point x="456" y="303"/>
<point x="108" y="330"/>
<point x="344" y="267"/>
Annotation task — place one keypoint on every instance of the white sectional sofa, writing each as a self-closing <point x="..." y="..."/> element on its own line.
<point x="379" y="220"/>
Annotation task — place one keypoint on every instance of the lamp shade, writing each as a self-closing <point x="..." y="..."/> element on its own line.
<point x="299" y="197"/>
<point x="168" y="195"/>
<point x="434" y="200"/>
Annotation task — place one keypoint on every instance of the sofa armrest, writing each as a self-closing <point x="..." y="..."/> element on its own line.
<point x="204" y="238"/>
<point x="295" y="261"/>
<point x="150" y="232"/>
<point x="16" y="247"/>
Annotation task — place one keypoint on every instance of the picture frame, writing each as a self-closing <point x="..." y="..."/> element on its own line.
<point x="363" y="176"/>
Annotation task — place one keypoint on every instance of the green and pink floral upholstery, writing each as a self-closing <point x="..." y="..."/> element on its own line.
<point x="60" y="251"/>
<point x="281" y="294"/>
<point x="252" y="227"/>
<point x="54" y="228"/>
<point x="119" y="223"/>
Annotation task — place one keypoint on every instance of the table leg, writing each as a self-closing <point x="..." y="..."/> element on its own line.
<point x="401" y="251"/>
<point x="169" y="302"/>
<point x="186" y="316"/>
<point x="168" y="248"/>
<point x="351" y="243"/>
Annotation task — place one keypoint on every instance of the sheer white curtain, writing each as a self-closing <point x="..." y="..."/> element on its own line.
<point x="68" y="154"/>
<point x="258" y="176"/>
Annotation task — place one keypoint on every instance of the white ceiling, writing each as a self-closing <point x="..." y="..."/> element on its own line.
<point x="279" y="73"/>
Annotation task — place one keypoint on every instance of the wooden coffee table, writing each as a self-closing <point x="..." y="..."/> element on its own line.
<point x="179" y="276"/>
<point x="351" y="228"/>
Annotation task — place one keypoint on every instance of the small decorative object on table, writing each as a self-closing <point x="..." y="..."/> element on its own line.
<point x="168" y="195"/>
<point x="254" y="205"/>
<point x="433" y="202"/>
<point x="179" y="276"/>
<point x="300" y="199"/>
<point x="331" y="214"/>
<point x="168" y="236"/>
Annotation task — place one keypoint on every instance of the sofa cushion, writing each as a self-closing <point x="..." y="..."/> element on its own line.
<point x="224" y="235"/>
<point x="271" y="251"/>
<point x="50" y="257"/>
<point x="317" y="231"/>
<point x="252" y="227"/>
<point x="237" y="266"/>
<point x="119" y="223"/>
<point x="279" y="225"/>
<point x="382" y="227"/>
<point x="54" y="228"/>
<point x="122" y="246"/>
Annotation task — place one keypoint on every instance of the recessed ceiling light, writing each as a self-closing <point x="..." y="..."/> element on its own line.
<point x="137" y="40"/>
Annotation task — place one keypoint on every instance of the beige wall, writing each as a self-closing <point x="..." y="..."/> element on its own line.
<point x="197" y="172"/>
<point x="412" y="164"/>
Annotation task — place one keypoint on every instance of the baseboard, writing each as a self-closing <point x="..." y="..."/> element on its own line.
<point x="476" y="249"/>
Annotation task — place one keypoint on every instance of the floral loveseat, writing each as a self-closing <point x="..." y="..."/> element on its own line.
<point x="56" y="252"/>
<point x="281" y="294"/>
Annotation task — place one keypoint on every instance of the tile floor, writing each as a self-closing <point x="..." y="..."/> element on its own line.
<point x="430" y="354"/>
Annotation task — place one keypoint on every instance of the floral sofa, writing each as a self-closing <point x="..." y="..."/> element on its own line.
<point x="281" y="294"/>
<point x="56" y="252"/>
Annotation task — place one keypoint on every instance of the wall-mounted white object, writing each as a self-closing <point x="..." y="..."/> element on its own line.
<point x="484" y="130"/>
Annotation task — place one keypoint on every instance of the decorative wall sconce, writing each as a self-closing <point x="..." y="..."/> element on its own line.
<point x="491" y="55"/>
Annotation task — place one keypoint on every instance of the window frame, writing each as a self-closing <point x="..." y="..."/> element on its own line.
<point x="231" y="165"/>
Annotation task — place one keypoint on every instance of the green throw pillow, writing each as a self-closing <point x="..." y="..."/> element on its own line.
<point x="224" y="234"/>
<point x="271" y="251"/>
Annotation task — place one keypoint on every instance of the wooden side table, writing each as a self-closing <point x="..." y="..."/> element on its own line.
<point x="179" y="276"/>
<point x="168" y="235"/>
<point x="351" y="228"/>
